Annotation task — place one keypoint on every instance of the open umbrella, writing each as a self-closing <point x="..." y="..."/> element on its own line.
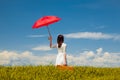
<point x="45" y="21"/>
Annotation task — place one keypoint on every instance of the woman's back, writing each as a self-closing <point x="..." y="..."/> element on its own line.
<point x="62" y="49"/>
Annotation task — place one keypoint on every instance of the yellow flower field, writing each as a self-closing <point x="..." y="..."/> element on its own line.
<point x="52" y="73"/>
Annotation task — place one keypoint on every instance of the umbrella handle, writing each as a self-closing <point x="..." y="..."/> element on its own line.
<point x="48" y="31"/>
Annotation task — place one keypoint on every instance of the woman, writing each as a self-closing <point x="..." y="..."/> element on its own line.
<point x="61" y="46"/>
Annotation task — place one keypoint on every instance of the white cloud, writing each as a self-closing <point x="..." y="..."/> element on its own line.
<point x="99" y="58"/>
<point x="117" y="37"/>
<point x="35" y="36"/>
<point x="86" y="58"/>
<point x="92" y="35"/>
<point x="24" y="58"/>
<point x="42" y="48"/>
<point x="90" y="54"/>
<point x="99" y="51"/>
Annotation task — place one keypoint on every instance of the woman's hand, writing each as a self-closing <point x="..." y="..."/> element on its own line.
<point x="50" y="38"/>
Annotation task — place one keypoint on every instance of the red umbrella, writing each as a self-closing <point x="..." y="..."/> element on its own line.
<point x="45" y="21"/>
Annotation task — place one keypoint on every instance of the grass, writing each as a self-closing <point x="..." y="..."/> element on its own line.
<point x="53" y="73"/>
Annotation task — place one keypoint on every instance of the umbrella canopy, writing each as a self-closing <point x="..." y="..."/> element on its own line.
<point x="45" y="21"/>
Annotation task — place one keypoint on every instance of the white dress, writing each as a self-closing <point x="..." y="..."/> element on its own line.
<point x="60" y="60"/>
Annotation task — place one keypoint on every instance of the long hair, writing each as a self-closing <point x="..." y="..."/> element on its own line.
<point x="60" y="40"/>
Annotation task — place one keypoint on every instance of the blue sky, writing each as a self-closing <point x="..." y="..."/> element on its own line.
<point x="91" y="29"/>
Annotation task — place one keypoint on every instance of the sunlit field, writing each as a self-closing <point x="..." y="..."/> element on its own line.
<point x="52" y="73"/>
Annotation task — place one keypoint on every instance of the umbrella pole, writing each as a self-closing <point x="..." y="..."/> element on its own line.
<point x="48" y="31"/>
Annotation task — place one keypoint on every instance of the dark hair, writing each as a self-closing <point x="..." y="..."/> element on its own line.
<point x="60" y="40"/>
